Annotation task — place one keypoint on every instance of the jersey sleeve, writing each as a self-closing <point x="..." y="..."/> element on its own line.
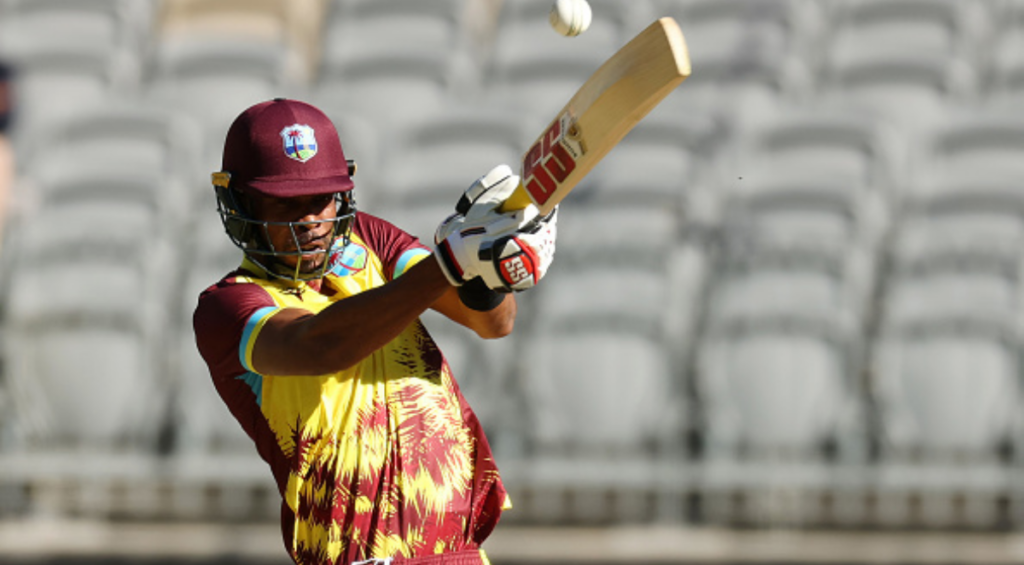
<point x="397" y="249"/>
<point x="226" y="322"/>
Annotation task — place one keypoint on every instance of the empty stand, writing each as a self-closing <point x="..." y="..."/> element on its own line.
<point x="791" y="297"/>
<point x="782" y="420"/>
<point x="291" y="27"/>
<point x="435" y="158"/>
<point x="391" y="89"/>
<point x="948" y="393"/>
<point x="375" y="28"/>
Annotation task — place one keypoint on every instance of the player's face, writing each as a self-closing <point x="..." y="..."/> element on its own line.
<point x="313" y="235"/>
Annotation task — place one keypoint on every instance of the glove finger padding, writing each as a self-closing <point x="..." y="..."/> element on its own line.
<point x="459" y="240"/>
<point x="488" y="192"/>
<point x="520" y="261"/>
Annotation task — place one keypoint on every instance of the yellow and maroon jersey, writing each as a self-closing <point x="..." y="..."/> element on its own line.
<point x="382" y="459"/>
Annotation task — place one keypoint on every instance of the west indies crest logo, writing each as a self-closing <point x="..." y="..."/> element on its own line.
<point x="348" y="260"/>
<point x="299" y="142"/>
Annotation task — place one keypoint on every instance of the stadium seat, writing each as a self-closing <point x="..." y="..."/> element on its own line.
<point x="971" y="144"/>
<point x="628" y="291"/>
<point x="911" y="91"/>
<point x="929" y="291"/>
<point x="961" y="221"/>
<point x="436" y="157"/>
<point x="764" y="291"/>
<point x="380" y="28"/>
<point x="125" y="140"/>
<point x="805" y="145"/>
<point x="53" y="84"/>
<point x="538" y="87"/>
<point x="948" y="397"/>
<point x="749" y="54"/>
<point x="388" y="89"/>
<point x="781" y="413"/>
<point x="757" y="402"/>
<point x="810" y="248"/>
<point x="594" y="390"/>
<point x="817" y="215"/>
<point x="663" y="162"/>
<point x="896" y="27"/>
<point x="104" y="386"/>
<point x="113" y="25"/>
<point x="292" y="28"/>
<point x="213" y="82"/>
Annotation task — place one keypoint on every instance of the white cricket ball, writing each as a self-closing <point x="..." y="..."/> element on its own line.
<point x="570" y="17"/>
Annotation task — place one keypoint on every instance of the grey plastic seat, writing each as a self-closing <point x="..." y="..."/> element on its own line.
<point x="741" y="29"/>
<point x="766" y="292"/>
<point x="438" y="156"/>
<point x="84" y="350"/>
<point x="625" y="290"/>
<point x="838" y="146"/>
<point x="906" y="26"/>
<point x="937" y="292"/>
<point x="781" y="413"/>
<point x="912" y="91"/>
<point x="662" y="162"/>
<point x="970" y="222"/>
<point x="755" y="397"/>
<point x="54" y="84"/>
<point x="748" y="54"/>
<point x="116" y="25"/>
<point x="948" y="393"/>
<point x="947" y="386"/>
<point x="371" y="29"/>
<point x="120" y="143"/>
<point x="538" y="85"/>
<point x="291" y="28"/>
<point x="971" y="144"/>
<point x="601" y="391"/>
<point x="818" y="215"/>
<point x="214" y="80"/>
<point x="390" y="88"/>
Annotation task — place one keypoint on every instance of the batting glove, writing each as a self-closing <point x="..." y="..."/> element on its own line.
<point x="477" y="224"/>
<point x="521" y="260"/>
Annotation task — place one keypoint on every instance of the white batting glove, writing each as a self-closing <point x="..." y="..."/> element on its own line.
<point x="521" y="260"/>
<point x="478" y="224"/>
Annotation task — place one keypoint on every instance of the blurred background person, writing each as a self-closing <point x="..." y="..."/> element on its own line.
<point x="6" y="152"/>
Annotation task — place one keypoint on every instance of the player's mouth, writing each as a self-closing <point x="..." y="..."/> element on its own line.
<point x="312" y="242"/>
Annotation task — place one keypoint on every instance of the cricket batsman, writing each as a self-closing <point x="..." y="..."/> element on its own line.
<point x="315" y="344"/>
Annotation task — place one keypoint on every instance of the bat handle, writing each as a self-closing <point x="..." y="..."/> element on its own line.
<point x="517" y="201"/>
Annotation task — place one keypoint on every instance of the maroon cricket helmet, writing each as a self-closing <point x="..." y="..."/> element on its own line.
<point x="285" y="148"/>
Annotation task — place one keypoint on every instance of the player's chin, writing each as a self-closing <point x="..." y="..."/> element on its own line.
<point x="310" y="263"/>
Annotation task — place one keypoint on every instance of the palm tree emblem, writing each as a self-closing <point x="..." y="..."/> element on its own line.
<point x="299" y="142"/>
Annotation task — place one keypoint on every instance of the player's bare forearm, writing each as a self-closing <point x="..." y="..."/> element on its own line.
<point x="297" y="342"/>
<point x="491" y="324"/>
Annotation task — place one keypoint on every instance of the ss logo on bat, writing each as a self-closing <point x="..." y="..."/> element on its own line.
<point x="552" y="158"/>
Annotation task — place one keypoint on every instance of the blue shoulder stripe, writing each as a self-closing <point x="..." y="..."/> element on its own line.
<point x="403" y="262"/>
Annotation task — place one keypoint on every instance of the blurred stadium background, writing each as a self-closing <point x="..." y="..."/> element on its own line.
<point x="785" y="324"/>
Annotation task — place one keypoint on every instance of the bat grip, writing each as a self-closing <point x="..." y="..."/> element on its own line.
<point x="518" y="200"/>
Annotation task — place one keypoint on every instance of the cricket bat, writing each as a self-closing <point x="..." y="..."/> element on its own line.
<point x="613" y="100"/>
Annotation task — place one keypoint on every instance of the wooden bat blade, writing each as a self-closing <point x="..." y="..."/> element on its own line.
<point x="604" y="109"/>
